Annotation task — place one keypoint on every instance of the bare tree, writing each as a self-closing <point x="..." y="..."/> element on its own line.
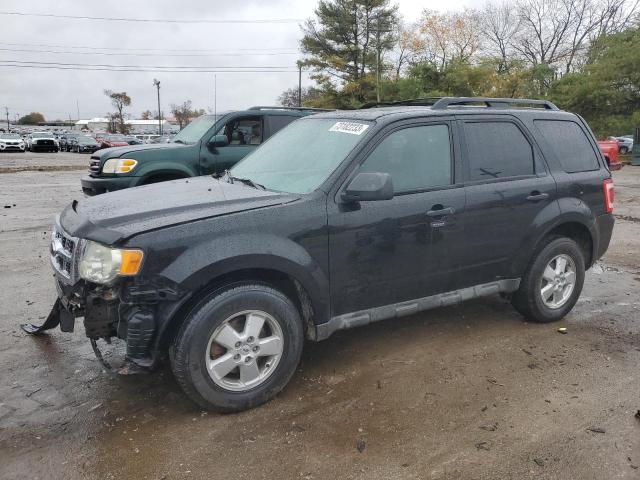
<point x="500" y="26"/>
<point x="119" y="100"/>
<point x="447" y="37"/>
<point x="557" y="32"/>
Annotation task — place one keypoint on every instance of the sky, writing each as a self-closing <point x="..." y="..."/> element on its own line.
<point x="62" y="92"/>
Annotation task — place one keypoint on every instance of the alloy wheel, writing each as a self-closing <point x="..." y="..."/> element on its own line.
<point x="244" y="350"/>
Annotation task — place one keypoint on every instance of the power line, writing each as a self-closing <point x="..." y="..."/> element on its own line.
<point x="159" y="67"/>
<point x="147" y="49"/>
<point x="128" y="54"/>
<point x="101" y="69"/>
<point x="151" y="20"/>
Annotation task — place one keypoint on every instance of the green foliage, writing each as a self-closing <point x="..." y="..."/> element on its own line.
<point x="606" y="92"/>
<point x="32" y="119"/>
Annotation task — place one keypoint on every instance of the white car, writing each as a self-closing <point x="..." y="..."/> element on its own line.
<point x="43" y="141"/>
<point x="11" y="141"/>
<point x="625" y="143"/>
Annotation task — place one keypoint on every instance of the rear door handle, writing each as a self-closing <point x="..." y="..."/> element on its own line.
<point x="537" y="196"/>
<point x="441" y="212"/>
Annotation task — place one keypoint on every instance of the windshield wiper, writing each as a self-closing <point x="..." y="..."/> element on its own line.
<point x="227" y="177"/>
<point x="179" y="141"/>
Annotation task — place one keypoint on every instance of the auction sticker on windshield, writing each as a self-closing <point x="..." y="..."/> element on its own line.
<point x="349" y="127"/>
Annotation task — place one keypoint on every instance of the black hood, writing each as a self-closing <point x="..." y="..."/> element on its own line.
<point x="116" y="152"/>
<point x="115" y="216"/>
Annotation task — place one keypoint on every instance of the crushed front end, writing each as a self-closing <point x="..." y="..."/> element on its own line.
<point x="120" y="304"/>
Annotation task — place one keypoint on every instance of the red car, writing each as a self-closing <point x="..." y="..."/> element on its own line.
<point x="609" y="149"/>
<point x="113" y="141"/>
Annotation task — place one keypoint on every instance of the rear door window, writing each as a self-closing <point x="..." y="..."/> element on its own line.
<point x="570" y="145"/>
<point x="497" y="150"/>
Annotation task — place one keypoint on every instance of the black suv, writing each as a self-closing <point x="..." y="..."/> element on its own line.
<point x="339" y="220"/>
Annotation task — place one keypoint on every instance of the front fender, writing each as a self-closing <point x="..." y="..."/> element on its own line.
<point x="228" y="254"/>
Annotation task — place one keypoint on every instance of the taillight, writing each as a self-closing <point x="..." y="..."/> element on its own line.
<point x="609" y="195"/>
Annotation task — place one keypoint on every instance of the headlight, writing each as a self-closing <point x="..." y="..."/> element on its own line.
<point x="119" y="165"/>
<point x="102" y="264"/>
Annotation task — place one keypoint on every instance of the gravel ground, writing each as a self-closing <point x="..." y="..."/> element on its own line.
<point x="463" y="392"/>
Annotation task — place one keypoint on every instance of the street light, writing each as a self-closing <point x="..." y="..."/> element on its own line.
<point x="156" y="83"/>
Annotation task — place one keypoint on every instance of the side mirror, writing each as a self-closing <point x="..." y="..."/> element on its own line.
<point x="219" y="141"/>
<point x="369" y="187"/>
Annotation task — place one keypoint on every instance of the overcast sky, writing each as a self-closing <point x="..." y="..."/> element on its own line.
<point x="55" y="92"/>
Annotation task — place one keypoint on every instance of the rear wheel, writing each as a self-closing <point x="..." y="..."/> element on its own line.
<point x="553" y="281"/>
<point x="238" y="348"/>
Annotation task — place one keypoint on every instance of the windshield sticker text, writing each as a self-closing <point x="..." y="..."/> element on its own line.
<point x="349" y="127"/>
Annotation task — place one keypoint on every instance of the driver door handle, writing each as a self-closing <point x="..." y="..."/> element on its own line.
<point x="441" y="212"/>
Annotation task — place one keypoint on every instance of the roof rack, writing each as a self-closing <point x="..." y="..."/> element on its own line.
<point x="446" y="102"/>
<point x="418" y="102"/>
<point x="303" y="109"/>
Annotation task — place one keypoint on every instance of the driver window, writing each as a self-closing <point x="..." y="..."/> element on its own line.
<point x="417" y="158"/>
<point x="244" y="131"/>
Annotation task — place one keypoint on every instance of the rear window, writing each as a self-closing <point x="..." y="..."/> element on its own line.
<point x="570" y="145"/>
<point x="497" y="150"/>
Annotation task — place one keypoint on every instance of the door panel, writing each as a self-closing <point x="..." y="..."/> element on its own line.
<point x="386" y="252"/>
<point x="500" y="210"/>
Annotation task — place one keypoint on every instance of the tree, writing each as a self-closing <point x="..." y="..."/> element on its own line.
<point x="146" y="115"/>
<point x="31" y="119"/>
<point x="119" y="100"/>
<point x="346" y="41"/>
<point x="289" y="98"/>
<point x="443" y="38"/>
<point x="184" y="113"/>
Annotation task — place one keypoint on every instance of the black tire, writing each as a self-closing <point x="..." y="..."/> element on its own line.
<point x="624" y="150"/>
<point x="188" y="360"/>
<point x="528" y="299"/>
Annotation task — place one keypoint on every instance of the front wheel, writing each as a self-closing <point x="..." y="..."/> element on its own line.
<point x="624" y="150"/>
<point x="238" y="348"/>
<point x="553" y="281"/>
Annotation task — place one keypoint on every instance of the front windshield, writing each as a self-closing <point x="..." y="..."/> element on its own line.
<point x="42" y="135"/>
<point x="301" y="156"/>
<point x="7" y="136"/>
<point x="193" y="132"/>
<point x="86" y="140"/>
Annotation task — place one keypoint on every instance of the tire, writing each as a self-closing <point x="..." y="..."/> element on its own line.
<point x="624" y="150"/>
<point x="528" y="300"/>
<point x="194" y="343"/>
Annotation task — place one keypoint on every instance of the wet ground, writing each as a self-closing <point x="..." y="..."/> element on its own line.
<point x="465" y="392"/>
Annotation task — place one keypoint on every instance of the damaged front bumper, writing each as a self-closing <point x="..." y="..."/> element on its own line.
<point x="105" y="316"/>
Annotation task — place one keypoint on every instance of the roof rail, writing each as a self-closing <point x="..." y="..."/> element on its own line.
<point x="304" y="109"/>
<point x="418" y="102"/>
<point x="446" y="102"/>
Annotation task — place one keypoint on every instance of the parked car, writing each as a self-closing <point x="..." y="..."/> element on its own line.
<point x="133" y="140"/>
<point x="609" y="149"/>
<point x="340" y="220"/>
<point x="85" y="144"/>
<point x="625" y="143"/>
<point x="11" y="142"/>
<point x="68" y="140"/>
<point x="115" y="140"/>
<point x="42" y="141"/>
<point x="207" y="145"/>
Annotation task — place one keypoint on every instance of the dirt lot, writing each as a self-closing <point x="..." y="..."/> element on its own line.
<point x="465" y="392"/>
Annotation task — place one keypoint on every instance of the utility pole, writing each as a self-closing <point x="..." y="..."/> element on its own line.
<point x="6" y="109"/>
<point x="378" y="60"/>
<point x="78" y="109"/>
<point x="157" y="85"/>
<point x="299" y="84"/>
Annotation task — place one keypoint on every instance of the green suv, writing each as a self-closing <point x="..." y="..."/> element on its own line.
<point x="210" y="144"/>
